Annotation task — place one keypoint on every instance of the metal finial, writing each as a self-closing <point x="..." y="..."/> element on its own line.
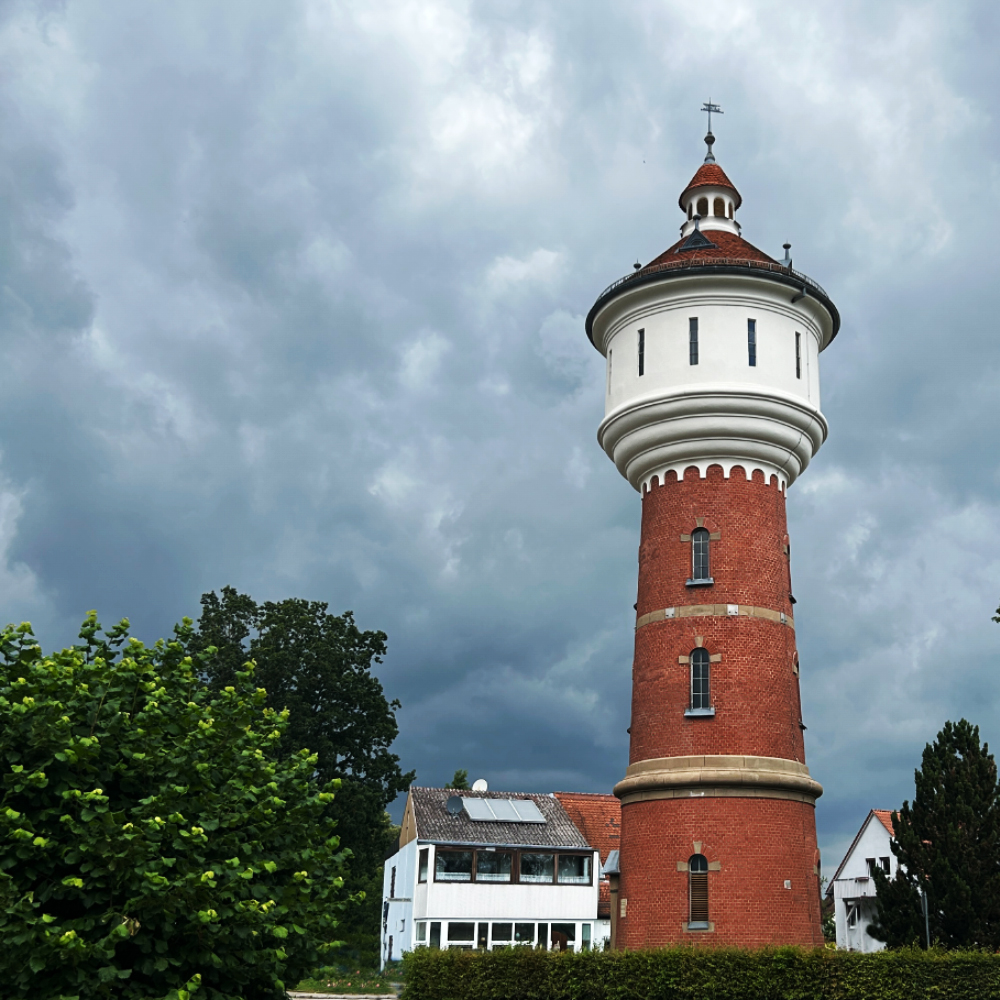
<point x="637" y="266"/>
<point x="710" y="139"/>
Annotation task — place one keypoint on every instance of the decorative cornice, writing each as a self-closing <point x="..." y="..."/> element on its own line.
<point x="718" y="776"/>
<point x="723" y="610"/>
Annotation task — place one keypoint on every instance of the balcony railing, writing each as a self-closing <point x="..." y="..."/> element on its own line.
<point x="686" y="265"/>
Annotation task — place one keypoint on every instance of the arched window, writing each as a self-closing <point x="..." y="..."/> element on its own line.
<point x="698" y="892"/>
<point x="701" y="694"/>
<point x="730" y="210"/>
<point x="690" y="209"/>
<point x="700" y="568"/>
<point x="703" y="207"/>
<point x="719" y="207"/>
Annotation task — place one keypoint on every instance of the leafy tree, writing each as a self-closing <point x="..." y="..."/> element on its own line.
<point x="948" y="842"/>
<point x="150" y="844"/>
<point x="319" y="667"/>
<point x="460" y="781"/>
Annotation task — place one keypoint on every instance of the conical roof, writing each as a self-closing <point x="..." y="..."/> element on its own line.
<point x="710" y="175"/>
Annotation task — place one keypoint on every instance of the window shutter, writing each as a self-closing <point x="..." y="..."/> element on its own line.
<point x="699" y="897"/>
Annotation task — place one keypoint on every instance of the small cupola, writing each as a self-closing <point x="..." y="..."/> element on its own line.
<point x="711" y="200"/>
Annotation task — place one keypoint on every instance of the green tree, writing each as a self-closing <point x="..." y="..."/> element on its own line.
<point x="460" y="782"/>
<point x="319" y="667"/>
<point x="947" y="843"/>
<point x="150" y="844"/>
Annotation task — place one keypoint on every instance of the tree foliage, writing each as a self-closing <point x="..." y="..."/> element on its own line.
<point x="319" y="667"/>
<point x="150" y="843"/>
<point x="460" y="782"/>
<point x="947" y="842"/>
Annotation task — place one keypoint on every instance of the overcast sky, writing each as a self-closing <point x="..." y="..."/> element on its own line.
<point x="292" y="298"/>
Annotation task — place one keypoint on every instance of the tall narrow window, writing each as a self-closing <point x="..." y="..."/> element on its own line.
<point x="642" y="351"/>
<point x="700" y="567"/>
<point x="752" y="342"/>
<point x="698" y="892"/>
<point x="422" y="865"/>
<point x="718" y="207"/>
<point x="701" y="696"/>
<point x="392" y="884"/>
<point x="609" y="372"/>
<point x="693" y="340"/>
<point x="798" y="354"/>
<point x="703" y="207"/>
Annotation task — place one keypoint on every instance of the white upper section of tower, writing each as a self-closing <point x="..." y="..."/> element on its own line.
<point x="712" y="352"/>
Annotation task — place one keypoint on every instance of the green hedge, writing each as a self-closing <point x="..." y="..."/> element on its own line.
<point x="701" y="974"/>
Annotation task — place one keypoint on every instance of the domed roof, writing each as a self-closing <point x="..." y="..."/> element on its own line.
<point x="710" y="175"/>
<point x="717" y="245"/>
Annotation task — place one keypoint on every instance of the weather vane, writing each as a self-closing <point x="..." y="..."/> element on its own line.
<point x="710" y="107"/>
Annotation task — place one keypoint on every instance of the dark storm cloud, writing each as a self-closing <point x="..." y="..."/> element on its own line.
<point x="293" y="299"/>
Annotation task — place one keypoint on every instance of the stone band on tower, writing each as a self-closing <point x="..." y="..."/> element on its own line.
<point x="712" y="411"/>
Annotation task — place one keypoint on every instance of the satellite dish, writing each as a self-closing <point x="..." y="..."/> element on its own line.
<point x="479" y="785"/>
<point x="454" y="805"/>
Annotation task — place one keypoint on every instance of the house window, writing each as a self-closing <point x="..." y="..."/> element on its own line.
<point x="642" y="352"/>
<point x="718" y="207"/>
<point x="884" y="862"/>
<point x="698" y="892"/>
<point x="462" y="935"/>
<point x="752" y="342"/>
<point x="870" y="862"/>
<point x="703" y="207"/>
<point x="453" y="866"/>
<point x="609" y="372"/>
<point x="392" y="883"/>
<point x="493" y="866"/>
<point x="693" y="340"/>
<point x="436" y="934"/>
<point x="853" y="914"/>
<point x="730" y="210"/>
<point x="798" y="354"/>
<point x="524" y="933"/>
<point x="700" y="691"/>
<point x="585" y="937"/>
<point x="564" y="936"/>
<point x="503" y="932"/>
<point x="422" y="865"/>
<point x="700" y="568"/>
<point x="537" y="867"/>
<point x="574" y="869"/>
<point x="421" y="932"/>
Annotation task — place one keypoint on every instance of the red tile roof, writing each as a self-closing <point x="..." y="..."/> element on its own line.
<point x="727" y="245"/>
<point x="710" y="175"/>
<point x="885" y="817"/>
<point x="598" y="818"/>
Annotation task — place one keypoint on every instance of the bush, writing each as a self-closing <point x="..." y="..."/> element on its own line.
<point x="700" y="974"/>
<point x="150" y="844"/>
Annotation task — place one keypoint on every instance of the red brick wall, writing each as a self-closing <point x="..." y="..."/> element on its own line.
<point x="759" y="843"/>
<point x="754" y="687"/>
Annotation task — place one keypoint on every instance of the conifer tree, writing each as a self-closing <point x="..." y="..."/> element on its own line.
<point x="947" y="842"/>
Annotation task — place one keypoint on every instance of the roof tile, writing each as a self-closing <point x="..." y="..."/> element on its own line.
<point x="727" y="245"/>
<point x="711" y="175"/>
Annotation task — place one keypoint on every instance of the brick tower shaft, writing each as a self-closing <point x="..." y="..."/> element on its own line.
<point x="711" y="413"/>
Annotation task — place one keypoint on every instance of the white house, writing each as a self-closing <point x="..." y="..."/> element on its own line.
<point x="490" y="869"/>
<point x="853" y="885"/>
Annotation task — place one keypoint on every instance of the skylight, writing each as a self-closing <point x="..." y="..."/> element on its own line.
<point x="502" y="810"/>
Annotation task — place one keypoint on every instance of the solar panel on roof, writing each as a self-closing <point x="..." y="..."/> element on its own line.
<point x="527" y="811"/>
<point x="478" y="809"/>
<point x="502" y="810"/>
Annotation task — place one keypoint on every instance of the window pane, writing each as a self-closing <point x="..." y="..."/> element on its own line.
<point x="752" y="341"/>
<point x="503" y="932"/>
<point x="421" y="931"/>
<point x="461" y="932"/>
<point x="493" y="866"/>
<point x="642" y="352"/>
<point x="693" y="340"/>
<point x="436" y="934"/>
<point x="422" y="875"/>
<point x="524" y="933"/>
<point x="574" y="869"/>
<point x="698" y="887"/>
<point x="543" y="935"/>
<point x="700" y="542"/>
<point x="563" y="936"/>
<point x="585" y="937"/>
<point x="700" y="695"/>
<point x="453" y="866"/>
<point x="537" y="867"/>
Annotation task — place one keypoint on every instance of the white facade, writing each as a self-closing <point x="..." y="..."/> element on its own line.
<point x="421" y="910"/>
<point x="853" y="886"/>
<point x="722" y="409"/>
